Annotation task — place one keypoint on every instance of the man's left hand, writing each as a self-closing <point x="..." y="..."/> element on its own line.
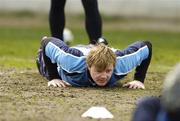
<point x="134" y="85"/>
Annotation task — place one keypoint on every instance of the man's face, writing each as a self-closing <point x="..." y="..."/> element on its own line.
<point x="101" y="77"/>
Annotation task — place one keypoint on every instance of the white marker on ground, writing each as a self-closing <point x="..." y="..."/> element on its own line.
<point x="97" y="112"/>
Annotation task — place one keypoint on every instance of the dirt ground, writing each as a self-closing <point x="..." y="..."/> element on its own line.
<point x="24" y="96"/>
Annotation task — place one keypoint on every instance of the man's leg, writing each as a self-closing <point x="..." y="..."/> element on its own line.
<point x="93" y="20"/>
<point x="57" y="18"/>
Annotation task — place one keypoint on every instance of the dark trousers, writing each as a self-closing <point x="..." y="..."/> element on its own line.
<point x="93" y="22"/>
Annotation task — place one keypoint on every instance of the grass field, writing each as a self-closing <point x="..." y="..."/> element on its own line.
<point x="24" y="95"/>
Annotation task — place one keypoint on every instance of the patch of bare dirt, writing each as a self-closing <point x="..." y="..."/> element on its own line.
<point x="24" y="96"/>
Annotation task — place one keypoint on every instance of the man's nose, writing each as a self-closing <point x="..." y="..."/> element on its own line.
<point x="104" y="75"/>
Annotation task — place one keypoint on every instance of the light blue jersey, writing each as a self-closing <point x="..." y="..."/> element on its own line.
<point x="72" y="67"/>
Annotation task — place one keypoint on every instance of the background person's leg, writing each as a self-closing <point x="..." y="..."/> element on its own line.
<point x="57" y="18"/>
<point x="93" y="20"/>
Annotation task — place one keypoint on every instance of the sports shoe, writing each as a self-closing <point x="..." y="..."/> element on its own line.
<point x="102" y="40"/>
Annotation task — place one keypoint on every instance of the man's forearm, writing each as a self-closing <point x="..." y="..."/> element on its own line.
<point x="141" y="70"/>
<point x="51" y="69"/>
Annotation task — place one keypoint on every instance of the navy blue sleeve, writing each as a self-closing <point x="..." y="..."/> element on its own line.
<point x="51" y="66"/>
<point x="147" y="109"/>
<point x="69" y="59"/>
<point x="131" y="48"/>
<point x="136" y="56"/>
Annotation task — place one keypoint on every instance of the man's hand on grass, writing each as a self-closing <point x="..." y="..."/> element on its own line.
<point x="58" y="83"/>
<point x="134" y="85"/>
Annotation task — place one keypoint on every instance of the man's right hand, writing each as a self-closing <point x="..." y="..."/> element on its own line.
<point x="58" y="83"/>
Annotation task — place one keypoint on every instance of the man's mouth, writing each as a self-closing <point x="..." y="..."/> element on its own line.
<point x="101" y="81"/>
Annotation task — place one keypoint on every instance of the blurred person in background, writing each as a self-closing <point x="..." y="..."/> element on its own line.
<point x="165" y="107"/>
<point x="93" y="22"/>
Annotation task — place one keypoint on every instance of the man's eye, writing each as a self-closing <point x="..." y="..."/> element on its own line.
<point x="108" y="71"/>
<point x="98" y="71"/>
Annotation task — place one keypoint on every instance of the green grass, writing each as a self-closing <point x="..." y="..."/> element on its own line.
<point x="166" y="45"/>
<point x="25" y="95"/>
<point x="19" y="44"/>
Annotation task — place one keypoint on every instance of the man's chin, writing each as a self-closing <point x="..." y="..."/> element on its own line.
<point x="102" y="84"/>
